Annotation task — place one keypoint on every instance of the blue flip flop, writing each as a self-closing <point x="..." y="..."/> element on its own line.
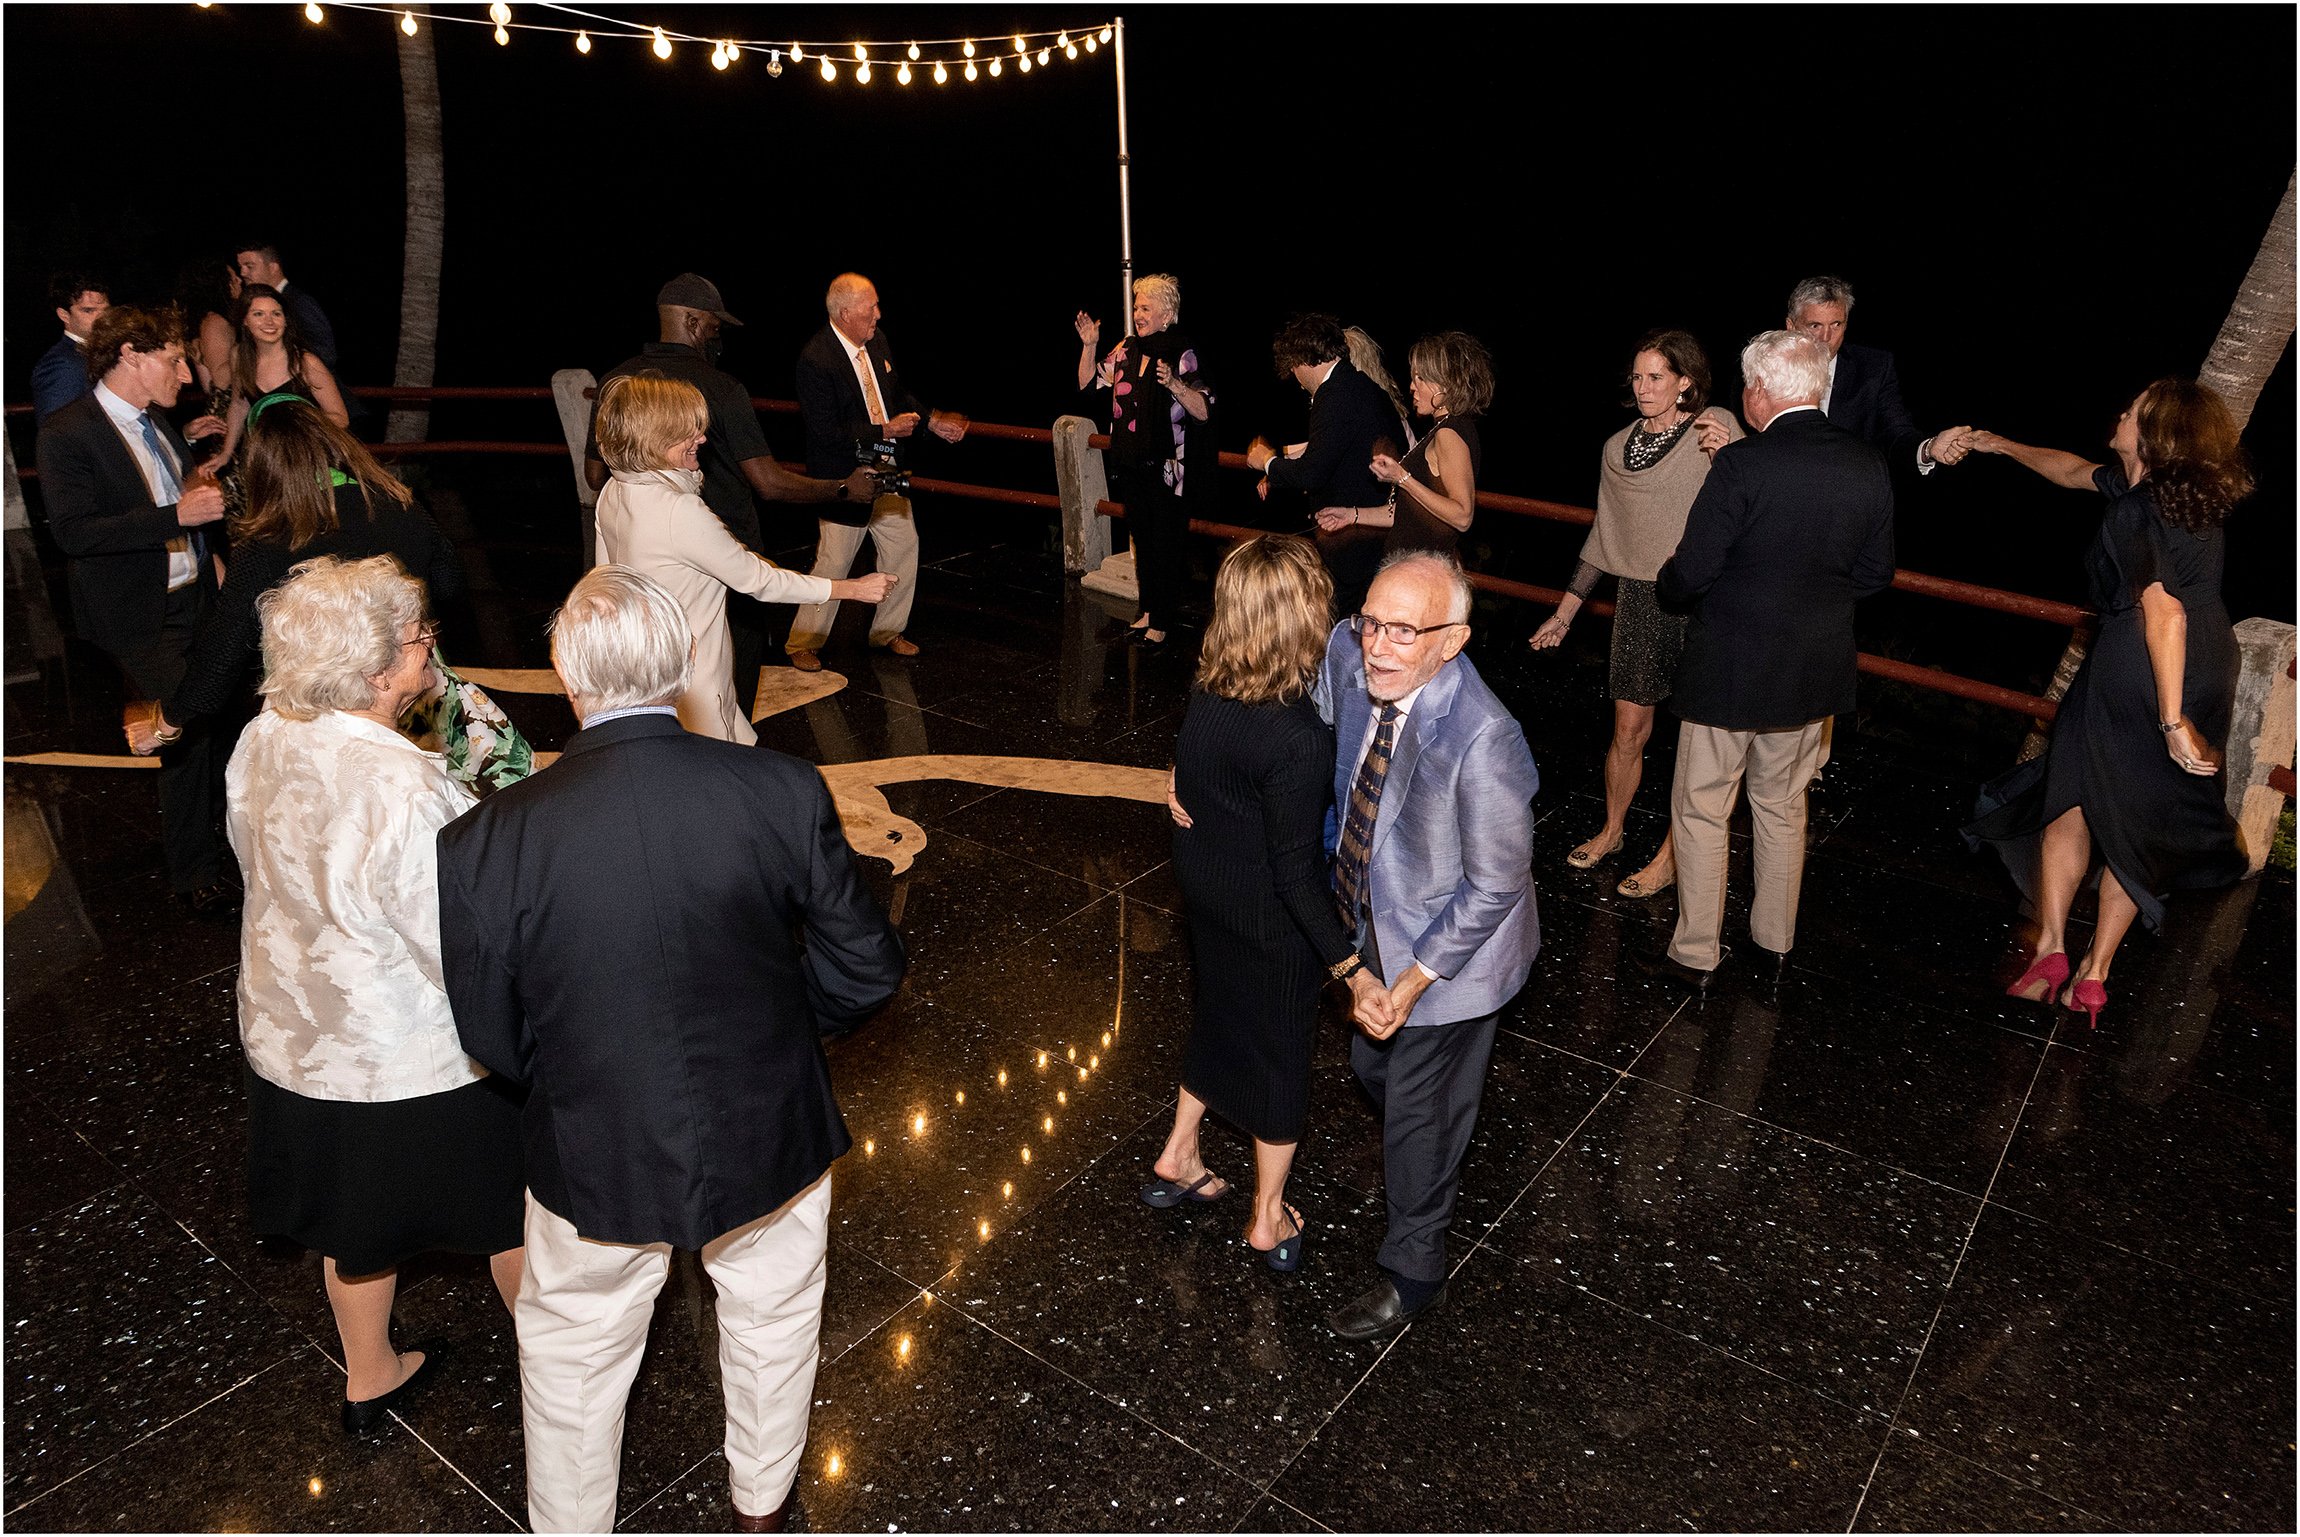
<point x="1286" y="1256"/>
<point x="1164" y="1193"/>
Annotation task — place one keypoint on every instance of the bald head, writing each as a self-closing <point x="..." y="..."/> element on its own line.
<point x="1432" y="594"/>
<point x="853" y="306"/>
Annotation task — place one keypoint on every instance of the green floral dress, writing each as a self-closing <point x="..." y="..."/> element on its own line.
<point x="484" y="751"/>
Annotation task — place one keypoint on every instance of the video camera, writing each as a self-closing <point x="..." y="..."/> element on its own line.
<point x="879" y="459"/>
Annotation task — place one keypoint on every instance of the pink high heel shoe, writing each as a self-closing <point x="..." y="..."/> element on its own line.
<point x="2087" y="997"/>
<point x="2043" y="979"/>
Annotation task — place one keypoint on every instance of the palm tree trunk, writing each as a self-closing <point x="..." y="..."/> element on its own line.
<point x="2251" y="343"/>
<point x="426" y="229"/>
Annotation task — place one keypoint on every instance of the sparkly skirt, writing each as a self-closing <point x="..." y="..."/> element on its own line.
<point x="1646" y="643"/>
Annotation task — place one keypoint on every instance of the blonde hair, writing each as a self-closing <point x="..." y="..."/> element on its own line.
<point x="1162" y="289"/>
<point x="643" y="416"/>
<point x="1273" y="606"/>
<point x="329" y="628"/>
<point x="1366" y="358"/>
<point x="621" y="640"/>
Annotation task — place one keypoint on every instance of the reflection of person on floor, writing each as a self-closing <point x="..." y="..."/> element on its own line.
<point x="1435" y="786"/>
<point x="1790" y="528"/>
<point x="668" y="1022"/>
<point x="1252" y="765"/>
<point x="371" y="1136"/>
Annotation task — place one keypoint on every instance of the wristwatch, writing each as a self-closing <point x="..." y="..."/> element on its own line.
<point x="840" y="494"/>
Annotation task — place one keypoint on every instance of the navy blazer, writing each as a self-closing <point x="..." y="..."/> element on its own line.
<point x="1450" y="875"/>
<point x="1866" y="401"/>
<point x="653" y="935"/>
<point x="60" y="377"/>
<point x="1346" y="416"/>
<point x="837" y="418"/>
<point x="1793" y="525"/>
<point x="312" y="327"/>
<point x="102" y="515"/>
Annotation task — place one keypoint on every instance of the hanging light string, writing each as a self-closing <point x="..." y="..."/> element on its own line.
<point x="856" y="57"/>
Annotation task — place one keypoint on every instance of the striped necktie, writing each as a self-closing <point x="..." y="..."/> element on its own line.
<point x="1358" y="823"/>
<point x="871" y="401"/>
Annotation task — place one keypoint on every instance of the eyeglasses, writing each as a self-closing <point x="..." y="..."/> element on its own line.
<point x="425" y="637"/>
<point x="1363" y="626"/>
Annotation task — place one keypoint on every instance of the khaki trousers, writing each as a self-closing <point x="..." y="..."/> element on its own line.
<point x="1712" y="765"/>
<point x="583" y="1312"/>
<point x="894" y="535"/>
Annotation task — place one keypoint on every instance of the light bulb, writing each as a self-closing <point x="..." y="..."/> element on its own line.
<point x="312" y="13"/>
<point x="1090" y="45"/>
<point x="407" y="22"/>
<point x="719" y="57"/>
<point x="1070" y="52"/>
<point x="1042" y="53"/>
<point x="798" y="54"/>
<point x="902" y="75"/>
<point x="941" y="77"/>
<point x="499" y="13"/>
<point x="1025" y="63"/>
<point x="995" y="69"/>
<point x="582" y="42"/>
<point x="862" y="74"/>
<point x="969" y="49"/>
<point x="1106" y="34"/>
<point x="733" y="53"/>
<point x="914" y="50"/>
<point x="1019" y="45"/>
<point x="662" y="44"/>
<point x="774" y="67"/>
<point x="502" y="37"/>
<point x="972" y="72"/>
<point x="1061" y="39"/>
<point x="830" y="70"/>
<point x="861" y="52"/>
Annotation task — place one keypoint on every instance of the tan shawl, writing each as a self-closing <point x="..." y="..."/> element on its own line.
<point x="1641" y="516"/>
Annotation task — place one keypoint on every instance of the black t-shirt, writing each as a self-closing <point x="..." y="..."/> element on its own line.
<point x="735" y="433"/>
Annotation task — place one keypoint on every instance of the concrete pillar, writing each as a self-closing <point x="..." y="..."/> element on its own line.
<point x="1079" y="476"/>
<point x="2260" y="733"/>
<point x="571" y="393"/>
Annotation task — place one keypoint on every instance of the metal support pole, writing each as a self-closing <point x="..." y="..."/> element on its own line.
<point x="1125" y="198"/>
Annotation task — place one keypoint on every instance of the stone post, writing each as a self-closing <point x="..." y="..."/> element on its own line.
<point x="1079" y="476"/>
<point x="570" y="392"/>
<point x="2260" y="732"/>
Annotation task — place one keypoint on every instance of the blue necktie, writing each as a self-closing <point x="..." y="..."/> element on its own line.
<point x="171" y="488"/>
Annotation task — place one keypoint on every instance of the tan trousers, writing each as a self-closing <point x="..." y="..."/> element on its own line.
<point x="894" y="534"/>
<point x="583" y="1312"/>
<point x="1712" y="765"/>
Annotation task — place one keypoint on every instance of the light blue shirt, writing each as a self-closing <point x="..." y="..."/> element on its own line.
<point x="605" y="716"/>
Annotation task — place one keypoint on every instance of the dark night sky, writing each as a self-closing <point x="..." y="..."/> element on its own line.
<point x="2042" y="209"/>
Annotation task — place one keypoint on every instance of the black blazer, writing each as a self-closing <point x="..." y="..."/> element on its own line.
<point x="313" y="329"/>
<point x="1792" y="526"/>
<point x="831" y="404"/>
<point x="1866" y="402"/>
<point x="102" y="516"/>
<point x="1346" y="415"/>
<point x="621" y="934"/>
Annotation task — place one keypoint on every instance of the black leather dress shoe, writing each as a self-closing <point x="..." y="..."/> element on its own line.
<point x="215" y="901"/>
<point x="366" y="1416"/>
<point x="1378" y="1311"/>
<point x="1660" y="963"/>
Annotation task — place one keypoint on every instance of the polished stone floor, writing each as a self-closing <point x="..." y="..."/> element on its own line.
<point x="1881" y="1251"/>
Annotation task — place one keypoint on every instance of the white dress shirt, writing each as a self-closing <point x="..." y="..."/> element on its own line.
<point x="336" y="824"/>
<point x="874" y="397"/>
<point x="164" y="482"/>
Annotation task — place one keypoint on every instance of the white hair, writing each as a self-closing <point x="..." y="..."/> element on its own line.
<point x="845" y="289"/>
<point x="1821" y="290"/>
<point x="1449" y="570"/>
<point x="1162" y="289"/>
<point x="331" y="626"/>
<point x="620" y="641"/>
<point x="1786" y="366"/>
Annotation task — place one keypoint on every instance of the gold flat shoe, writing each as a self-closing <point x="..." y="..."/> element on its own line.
<point x="1633" y="887"/>
<point x="1581" y="858"/>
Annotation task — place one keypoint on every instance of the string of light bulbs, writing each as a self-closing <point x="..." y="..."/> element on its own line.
<point x="972" y="57"/>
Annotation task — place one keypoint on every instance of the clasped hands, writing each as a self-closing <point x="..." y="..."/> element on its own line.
<point x="1951" y="444"/>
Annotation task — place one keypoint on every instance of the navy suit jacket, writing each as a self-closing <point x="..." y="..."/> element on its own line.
<point x="59" y="378"/>
<point x="1450" y="875"/>
<point x="1346" y="415"/>
<point x="1866" y="401"/>
<point x="312" y="326"/>
<point x="837" y="418"/>
<point x="1793" y="525"/>
<point x="653" y="935"/>
<point x="102" y="515"/>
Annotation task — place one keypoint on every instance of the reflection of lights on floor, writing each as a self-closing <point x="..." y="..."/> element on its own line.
<point x="983" y="1228"/>
<point x="317" y="1488"/>
<point x="834" y="1465"/>
<point x="962" y="1096"/>
<point x="1002" y="1077"/>
<point x="1026" y="1155"/>
<point x="1062" y="1096"/>
<point x="31" y="856"/>
<point x="902" y="1347"/>
<point x="1006" y="1190"/>
<point x="870" y="1148"/>
<point x="1047" y="1124"/>
<point x="1073" y="1053"/>
<point x="1042" y="1059"/>
<point x="918" y="1123"/>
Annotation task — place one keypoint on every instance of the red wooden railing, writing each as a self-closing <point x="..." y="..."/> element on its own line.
<point x="1938" y="679"/>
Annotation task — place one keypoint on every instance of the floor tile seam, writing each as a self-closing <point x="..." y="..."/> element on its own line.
<point x="114" y="1012"/>
<point x="868" y="1334"/>
<point x="1278" y="1499"/>
<point x="1948" y="1289"/>
<point x="623" y="1524"/>
<point x="2102" y="1053"/>
<point x="9" y="1516"/>
<point x="1258" y="1486"/>
<point x="2096" y="1522"/>
<point x="240" y="1277"/>
<point x="124" y="1180"/>
<point x="2283" y="1299"/>
<point x="399" y="1418"/>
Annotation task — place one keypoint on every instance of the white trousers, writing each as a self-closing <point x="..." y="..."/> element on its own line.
<point x="894" y="533"/>
<point x="1713" y="764"/>
<point x="583" y="1312"/>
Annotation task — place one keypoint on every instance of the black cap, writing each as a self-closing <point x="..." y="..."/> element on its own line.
<point x="690" y="291"/>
